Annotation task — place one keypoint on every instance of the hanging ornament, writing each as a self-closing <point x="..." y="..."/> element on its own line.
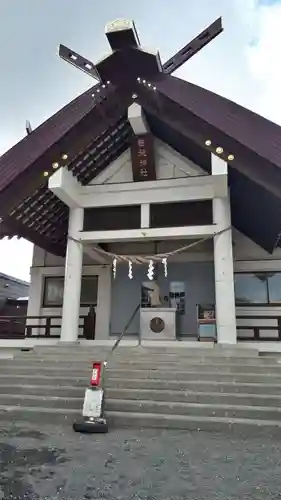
<point x="130" y="271"/>
<point x="114" y="265"/>
<point x="150" y="272"/>
<point x="164" y="262"/>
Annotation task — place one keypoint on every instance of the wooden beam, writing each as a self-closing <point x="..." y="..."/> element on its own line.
<point x="137" y="119"/>
<point x="168" y="233"/>
<point x="65" y="186"/>
<point x="193" y="47"/>
<point x="202" y="187"/>
<point x="79" y="62"/>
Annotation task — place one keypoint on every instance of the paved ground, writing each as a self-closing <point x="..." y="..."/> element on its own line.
<point x="56" y="463"/>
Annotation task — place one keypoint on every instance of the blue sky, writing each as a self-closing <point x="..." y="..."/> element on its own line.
<point x="35" y="83"/>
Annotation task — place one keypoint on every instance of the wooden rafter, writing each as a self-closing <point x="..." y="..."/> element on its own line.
<point x="193" y="47"/>
<point x="78" y="61"/>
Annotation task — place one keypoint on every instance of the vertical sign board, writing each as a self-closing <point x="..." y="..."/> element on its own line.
<point x="142" y="155"/>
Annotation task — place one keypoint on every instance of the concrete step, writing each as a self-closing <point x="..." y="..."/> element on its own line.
<point x="184" y="365"/>
<point x="148" y="361"/>
<point x="185" y="374"/>
<point x="218" y="398"/>
<point x="65" y="392"/>
<point x="241" y="427"/>
<point x="195" y="409"/>
<point x="149" y="383"/>
<point x="117" y="419"/>
<point x="261" y="364"/>
<point x="188" y="375"/>
<point x="144" y="406"/>
<point x="46" y="401"/>
<point x="194" y="366"/>
<point x="194" y="386"/>
<point x="16" y="379"/>
<point x="180" y="351"/>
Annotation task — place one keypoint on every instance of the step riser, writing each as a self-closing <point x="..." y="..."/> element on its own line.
<point x="180" y="397"/>
<point x="194" y="387"/>
<point x="39" y="390"/>
<point x="191" y="365"/>
<point x="40" y="418"/>
<point x="153" y="352"/>
<point x="41" y="380"/>
<point x="46" y="403"/>
<point x="149" y="407"/>
<point x="177" y="409"/>
<point x="189" y="397"/>
<point x="148" y="355"/>
<point x="191" y="376"/>
<point x="179" y="349"/>
<point x="146" y="384"/>
<point x="240" y="430"/>
<point x="145" y="421"/>
<point x="141" y="374"/>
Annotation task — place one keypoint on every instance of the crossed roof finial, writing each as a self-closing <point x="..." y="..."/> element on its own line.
<point x="127" y="53"/>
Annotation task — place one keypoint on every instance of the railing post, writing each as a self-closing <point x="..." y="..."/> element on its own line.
<point x="28" y="331"/>
<point x="256" y="333"/>
<point x="279" y="327"/>
<point x="48" y="327"/>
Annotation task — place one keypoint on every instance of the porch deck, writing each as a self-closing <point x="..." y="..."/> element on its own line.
<point x="265" y="329"/>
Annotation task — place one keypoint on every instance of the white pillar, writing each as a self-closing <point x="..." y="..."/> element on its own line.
<point x="72" y="279"/>
<point x="103" y="310"/>
<point x="145" y="215"/>
<point x="223" y="263"/>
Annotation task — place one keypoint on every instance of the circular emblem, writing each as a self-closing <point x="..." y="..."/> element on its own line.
<point x="157" y="325"/>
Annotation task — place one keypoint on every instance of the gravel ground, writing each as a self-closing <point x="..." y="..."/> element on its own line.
<point x="55" y="463"/>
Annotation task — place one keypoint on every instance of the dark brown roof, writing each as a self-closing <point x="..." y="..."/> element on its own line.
<point x="94" y="131"/>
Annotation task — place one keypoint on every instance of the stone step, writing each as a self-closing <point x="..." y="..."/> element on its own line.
<point x="194" y="366"/>
<point x="195" y="409"/>
<point x="63" y="392"/>
<point x="184" y="365"/>
<point x="194" y="385"/>
<point x="144" y="406"/>
<point x="34" y="360"/>
<point x="160" y="360"/>
<point x="16" y="379"/>
<point x="45" y="401"/>
<point x="153" y="352"/>
<point x="217" y="398"/>
<point x="202" y="385"/>
<point x="119" y="419"/>
<point x="188" y="375"/>
<point x="241" y="427"/>
<point x="132" y="374"/>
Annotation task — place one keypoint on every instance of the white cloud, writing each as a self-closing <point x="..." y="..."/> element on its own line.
<point x="16" y="258"/>
<point x="243" y="64"/>
<point x="264" y="61"/>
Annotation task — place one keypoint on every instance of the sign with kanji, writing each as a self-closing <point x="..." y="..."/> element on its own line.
<point x="142" y="155"/>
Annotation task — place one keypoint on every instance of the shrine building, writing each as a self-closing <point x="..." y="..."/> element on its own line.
<point x="154" y="206"/>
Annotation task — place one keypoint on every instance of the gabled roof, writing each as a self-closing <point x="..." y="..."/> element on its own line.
<point x="93" y="130"/>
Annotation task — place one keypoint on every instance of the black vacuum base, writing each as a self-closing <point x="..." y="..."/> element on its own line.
<point x="91" y="426"/>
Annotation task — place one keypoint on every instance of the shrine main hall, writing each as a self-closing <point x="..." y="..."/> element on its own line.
<point x="153" y="206"/>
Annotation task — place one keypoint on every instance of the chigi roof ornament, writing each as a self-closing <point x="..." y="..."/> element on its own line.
<point x="129" y="59"/>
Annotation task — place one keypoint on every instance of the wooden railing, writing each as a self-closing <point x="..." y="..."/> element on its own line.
<point x="257" y="329"/>
<point x="19" y="327"/>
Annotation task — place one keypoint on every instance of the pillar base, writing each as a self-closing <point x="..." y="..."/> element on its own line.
<point x="70" y="343"/>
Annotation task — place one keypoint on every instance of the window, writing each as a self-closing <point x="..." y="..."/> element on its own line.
<point x="54" y="286"/>
<point x="258" y="288"/>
